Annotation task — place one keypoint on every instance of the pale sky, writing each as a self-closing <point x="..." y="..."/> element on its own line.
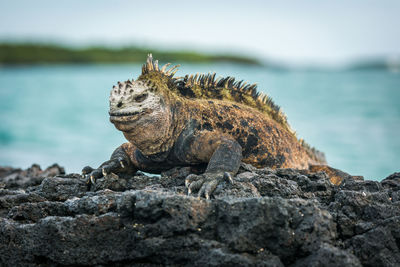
<point x="303" y="32"/>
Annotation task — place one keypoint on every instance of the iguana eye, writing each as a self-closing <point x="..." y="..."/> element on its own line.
<point x="141" y="98"/>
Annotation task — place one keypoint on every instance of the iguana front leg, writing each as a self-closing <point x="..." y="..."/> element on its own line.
<point x="121" y="161"/>
<point x="223" y="155"/>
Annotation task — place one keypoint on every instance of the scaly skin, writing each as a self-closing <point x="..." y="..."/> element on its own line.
<point x="199" y="121"/>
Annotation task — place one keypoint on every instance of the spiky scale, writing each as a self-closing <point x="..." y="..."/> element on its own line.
<point x="173" y="72"/>
<point x="165" y="67"/>
<point x="169" y="72"/>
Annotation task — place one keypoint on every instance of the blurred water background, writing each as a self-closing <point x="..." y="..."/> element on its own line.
<point x="333" y="67"/>
<point x="59" y="113"/>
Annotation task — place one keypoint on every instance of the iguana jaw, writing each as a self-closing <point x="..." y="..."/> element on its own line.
<point x="127" y="121"/>
<point x="126" y="117"/>
<point x="124" y="113"/>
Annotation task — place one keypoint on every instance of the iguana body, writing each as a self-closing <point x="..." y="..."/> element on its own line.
<point x="199" y="121"/>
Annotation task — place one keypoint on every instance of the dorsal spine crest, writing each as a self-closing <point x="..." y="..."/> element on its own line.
<point x="208" y="86"/>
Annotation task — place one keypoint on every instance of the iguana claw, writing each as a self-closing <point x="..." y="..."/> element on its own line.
<point x="121" y="162"/>
<point x="206" y="183"/>
<point x="92" y="179"/>
<point x="111" y="166"/>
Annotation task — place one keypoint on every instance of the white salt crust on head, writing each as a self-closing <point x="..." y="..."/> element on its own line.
<point x="133" y="97"/>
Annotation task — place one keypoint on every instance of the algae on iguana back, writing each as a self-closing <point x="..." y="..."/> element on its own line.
<point x="199" y="121"/>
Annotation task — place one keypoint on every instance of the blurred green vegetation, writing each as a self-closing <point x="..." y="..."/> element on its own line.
<point x="376" y="64"/>
<point x="33" y="53"/>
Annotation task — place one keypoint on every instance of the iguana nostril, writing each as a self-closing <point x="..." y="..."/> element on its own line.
<point x="119" y="104"/>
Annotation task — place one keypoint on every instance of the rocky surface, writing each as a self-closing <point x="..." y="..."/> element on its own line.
<point x="267" y="217"/>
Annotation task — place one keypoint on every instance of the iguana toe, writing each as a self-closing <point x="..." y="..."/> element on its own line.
<point x="208" y="187"/>
<point x="206" y="183"/>
<point x="86" y="170"/>
<point x="193" y="183"/>
<point x="228" y="177"/>
<point x="95" y="174"/>
<point x="115" y="165"/>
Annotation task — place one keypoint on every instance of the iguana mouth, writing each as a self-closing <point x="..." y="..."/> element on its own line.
<point x="127" y="116"/>
<point x="123" y="114"/>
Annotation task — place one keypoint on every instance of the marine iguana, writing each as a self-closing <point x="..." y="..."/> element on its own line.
<point x="199" y="120"/>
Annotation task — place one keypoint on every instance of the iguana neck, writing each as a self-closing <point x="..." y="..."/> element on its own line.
<point x="157" y="135"/>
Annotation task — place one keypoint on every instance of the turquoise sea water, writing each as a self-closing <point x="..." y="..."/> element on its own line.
<point x="59" y="114"/>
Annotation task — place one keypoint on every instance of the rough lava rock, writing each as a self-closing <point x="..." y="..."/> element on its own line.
<point x="282" y="217"/>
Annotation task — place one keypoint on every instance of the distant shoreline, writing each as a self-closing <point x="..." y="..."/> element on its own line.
<point x="38" y="53"/>
<point x="31" y="54"/>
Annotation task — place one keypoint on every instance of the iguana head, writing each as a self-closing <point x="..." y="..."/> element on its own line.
<point x="141" y="109"/>
<point x="132" y="101"/>
<point x="141" y="113"/>
<point x="143" y="100"/>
